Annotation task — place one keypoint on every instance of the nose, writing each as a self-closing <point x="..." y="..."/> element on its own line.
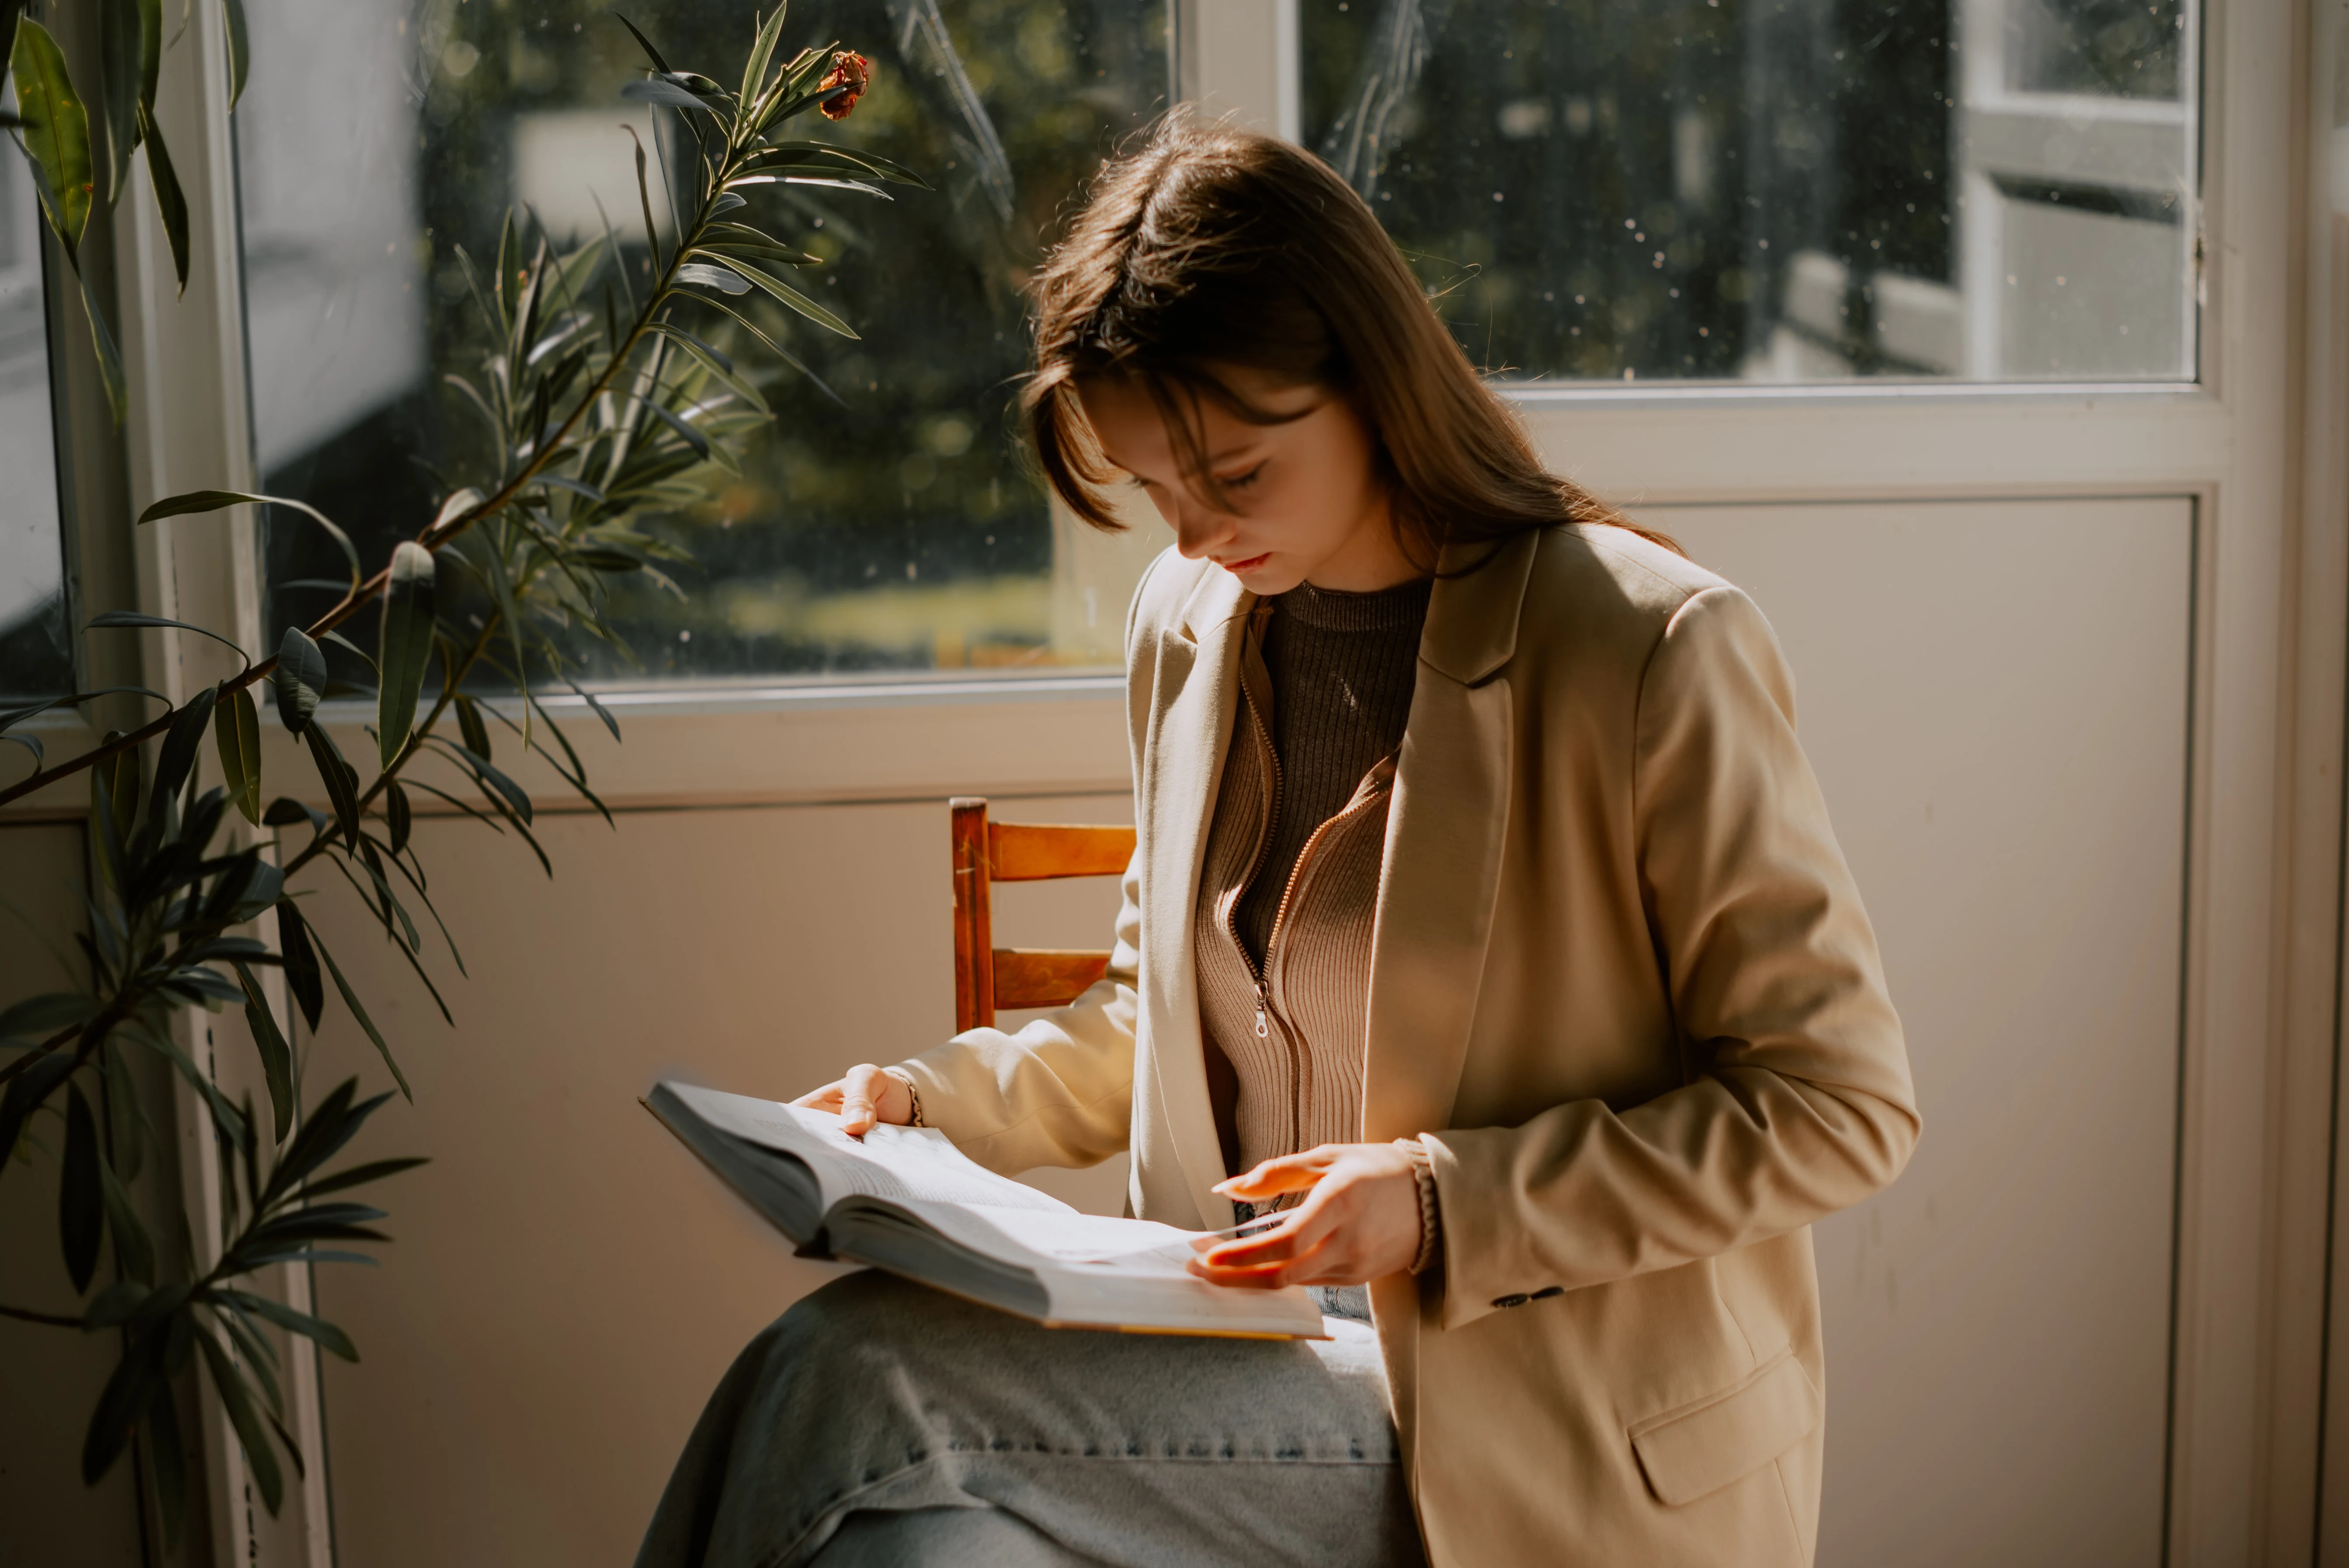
<point x="1199" y="529"/>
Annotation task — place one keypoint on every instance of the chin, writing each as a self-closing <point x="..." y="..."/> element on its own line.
<point x="1274" y="576"/>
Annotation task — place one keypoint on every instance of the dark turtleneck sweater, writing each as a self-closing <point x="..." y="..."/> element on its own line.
<point x="1342" y="667"/>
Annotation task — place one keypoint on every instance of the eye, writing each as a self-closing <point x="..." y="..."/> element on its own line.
<point x="1242" y="482"/>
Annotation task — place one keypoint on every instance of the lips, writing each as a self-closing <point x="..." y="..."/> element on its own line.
<point x="1250" y="564"/>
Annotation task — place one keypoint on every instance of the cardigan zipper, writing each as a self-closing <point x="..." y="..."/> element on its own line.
<point x="1267" y="1012"/>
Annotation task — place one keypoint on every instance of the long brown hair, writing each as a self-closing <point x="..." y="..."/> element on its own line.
<point x="1211" y="246"/>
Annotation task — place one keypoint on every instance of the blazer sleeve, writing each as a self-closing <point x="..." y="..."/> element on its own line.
<point x="1059" y="1092"/>
<point x="1797" y="1100"/>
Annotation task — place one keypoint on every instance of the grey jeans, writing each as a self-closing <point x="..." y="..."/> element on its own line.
<point x="881" y="1422"/>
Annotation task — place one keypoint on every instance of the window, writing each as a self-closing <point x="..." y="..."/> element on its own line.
<point x="36" y="638"/>
<point x="884" y="521"/>
<point x="1787" y="190"/>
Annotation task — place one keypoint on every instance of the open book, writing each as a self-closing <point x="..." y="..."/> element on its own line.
<point x="906" y="1199"/>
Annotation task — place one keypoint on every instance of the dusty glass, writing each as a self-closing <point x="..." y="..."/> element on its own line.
<point x="884" y="521"/>
<point x="1779" y="191"/>
<point x="35" y="626"/>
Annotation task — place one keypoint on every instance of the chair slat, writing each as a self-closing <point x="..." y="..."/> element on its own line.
<point x="1046" y="976"/>
<point x="1025" y="851"/>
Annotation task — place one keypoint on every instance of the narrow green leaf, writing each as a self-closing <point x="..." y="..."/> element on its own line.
<point x="790" y="297"/>
<point x="302" y="976"/>
<point x="328" y="1336"/>
<point x="101" y="343"/>
<point x="260" y="1460"/>
<point x="55" y="129"/>
<point x="27" y="1093"/>
<point x="285" y="811"/>
<point x="777" y="349"/>
<point x="171" y="1462"/>
<point x="787" y="152"/>
<point x="717" y="364"/>
<point x="456" y="506"/>
<point x="125" y="1117"/>
<point x="123" y="778"/>
<point x="213" y="501"/>
<point x="643" y="43"/>
<point x="686" y="431"/>
<point x="38" y="1018"/>
<point x="132" y="1242"/>
<point x="301" y="676"/>
<point x="178" y="756"/>
<point x="470" y="725"/>
<point x="406" y="646"/>
<point x="489" y="776"/>
<point x="350" y="1000"/>
<point x="150" y="52"/>
<point x="340" y="778"/>
<point x="236" y="729"/>
<point x="239" y="65"/>
<point x="81" y="1208"/>
<point x="126" y="1393"/>
<point x="763" y="54"/>
<point x="666" y="94"/>
<point x="276" y="1057"/>
<point x="396" y="815"/>
<point x="645" y="193"/>
<point x="389" y="907"/>
<point x="170" y="203"/>
<point x="722" y="279"/>
<point x="359" y="1175"/>
<point x="131" y="619"/>
<point x="119" y="73"/>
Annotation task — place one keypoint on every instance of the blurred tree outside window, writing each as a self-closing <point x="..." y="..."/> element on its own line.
<point x="885" y="522"/>
<point x="1777" y="191"/>
<point x="36" y="615"/>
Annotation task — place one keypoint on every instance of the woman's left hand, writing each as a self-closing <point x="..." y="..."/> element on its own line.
<point x="1358" y="1221"/>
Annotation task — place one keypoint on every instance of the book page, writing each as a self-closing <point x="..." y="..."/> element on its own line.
<point x="903" y="1164"/>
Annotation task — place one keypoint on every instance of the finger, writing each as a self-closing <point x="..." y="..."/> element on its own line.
<point x="825" y="1098"/>
<point x="1266" y="1276"/>
<point x="856" y="1097"/>
<point x="1289" y="1173"/>
<point x="1306" y="1229"/>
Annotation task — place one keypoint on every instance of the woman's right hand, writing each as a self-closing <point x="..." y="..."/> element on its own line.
<point x="863" y="1096"/>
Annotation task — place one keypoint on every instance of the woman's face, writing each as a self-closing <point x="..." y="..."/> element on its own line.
<point x="1307" y="503"/>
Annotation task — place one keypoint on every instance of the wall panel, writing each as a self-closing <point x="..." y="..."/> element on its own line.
<point x="1995" y="698"/>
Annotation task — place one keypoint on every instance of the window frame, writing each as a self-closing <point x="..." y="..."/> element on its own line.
<point x="2244" y="1455"/>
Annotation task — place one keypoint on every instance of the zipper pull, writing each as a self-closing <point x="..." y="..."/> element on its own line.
<point x="1262" y="1001"/>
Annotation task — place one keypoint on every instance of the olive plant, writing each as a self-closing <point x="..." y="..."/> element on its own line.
<point x="598" y="401"/>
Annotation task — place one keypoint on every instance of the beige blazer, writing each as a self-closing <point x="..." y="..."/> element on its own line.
<point x="1622" y="978"/>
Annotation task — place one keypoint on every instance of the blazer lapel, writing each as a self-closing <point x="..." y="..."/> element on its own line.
<point x="1197" y="681"/>
<point x="1445" y="836"/>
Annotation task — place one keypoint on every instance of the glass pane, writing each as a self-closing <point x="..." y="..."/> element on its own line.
<point x="36" y="631"/>
<point x="884" y="524"/>
<point x="1778" y="189"/>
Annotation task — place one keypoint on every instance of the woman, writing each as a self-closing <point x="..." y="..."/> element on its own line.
<point x="1485" y="919"/>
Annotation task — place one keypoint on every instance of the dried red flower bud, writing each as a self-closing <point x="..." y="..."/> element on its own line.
<point x="849" y="70"/>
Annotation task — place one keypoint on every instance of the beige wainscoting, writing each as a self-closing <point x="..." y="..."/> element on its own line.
<point x="568" y="1282"/>
<point x="49" y="1377"/>
<point x="1996" y="699"/>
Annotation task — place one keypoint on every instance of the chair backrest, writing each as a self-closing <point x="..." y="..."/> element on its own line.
<point x="986" y="976"/>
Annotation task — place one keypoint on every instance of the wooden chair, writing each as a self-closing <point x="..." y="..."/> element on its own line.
<point x="986" y="976"/>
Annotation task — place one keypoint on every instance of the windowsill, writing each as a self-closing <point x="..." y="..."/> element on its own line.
<point x="1780" y="394"/>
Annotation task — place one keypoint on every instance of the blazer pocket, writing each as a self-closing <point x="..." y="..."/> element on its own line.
<point x="1702" y="1446"/>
